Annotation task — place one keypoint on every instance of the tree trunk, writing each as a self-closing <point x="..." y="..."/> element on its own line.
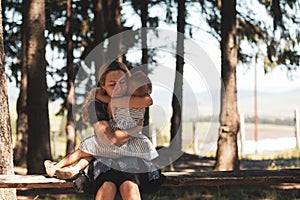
<point x="6" y="148"/>
<point x="99" y="23"/>
<point x="144" y="17"/>
<point x="98" y="36"/>
<point x="99" y="30"/>
<point x="113" y="23"/>
<point x="37" y="97"/>
<point x="21" y="146"/>
<point x="227" y="152"/>
<point x="70" y="126"/>
<point x="176" y="121"/>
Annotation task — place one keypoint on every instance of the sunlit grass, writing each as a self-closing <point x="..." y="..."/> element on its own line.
<point x="271" y="155"/>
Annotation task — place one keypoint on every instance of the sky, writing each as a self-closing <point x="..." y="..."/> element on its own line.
<point x="275" y="81"/>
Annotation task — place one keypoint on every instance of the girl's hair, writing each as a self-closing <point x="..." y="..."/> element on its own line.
<point x="91" y="96"/>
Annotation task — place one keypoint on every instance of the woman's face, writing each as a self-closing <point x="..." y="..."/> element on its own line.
<point x="115" y="83"/>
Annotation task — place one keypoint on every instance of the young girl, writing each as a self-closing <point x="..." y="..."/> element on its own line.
<point x="122" y="118"/>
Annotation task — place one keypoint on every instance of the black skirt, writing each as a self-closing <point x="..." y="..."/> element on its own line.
<point x="97" y="173"/>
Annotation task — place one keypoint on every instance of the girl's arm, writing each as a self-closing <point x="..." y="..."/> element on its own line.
<point x="132" y="101"/>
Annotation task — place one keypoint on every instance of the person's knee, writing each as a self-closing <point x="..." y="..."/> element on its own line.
<point x="106" y="191"/>
<point x="107" y="185"/>
<point x="128" y="184"/>
<point x="129" y="190"/>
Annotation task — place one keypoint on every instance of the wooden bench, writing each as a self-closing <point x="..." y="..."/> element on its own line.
<point x="173" y="179"/>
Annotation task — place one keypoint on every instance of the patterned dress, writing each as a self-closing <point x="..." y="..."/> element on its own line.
<point x="138" y="146"/>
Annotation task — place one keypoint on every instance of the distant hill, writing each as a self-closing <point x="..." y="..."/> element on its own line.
<point x="275" y="105"/>
<point x="270" y="105"/>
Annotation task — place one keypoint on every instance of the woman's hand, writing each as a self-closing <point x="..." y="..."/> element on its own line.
<point x="109" y="137"/>
<point x="102" y="133"/>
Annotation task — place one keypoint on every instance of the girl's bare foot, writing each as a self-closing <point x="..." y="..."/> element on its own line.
<point x="66" y="172"/>
<point x="50" y="168"/>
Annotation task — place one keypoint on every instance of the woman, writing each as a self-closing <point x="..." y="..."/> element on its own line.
<point x="127" y="174"/>
<point x="123" y="118"/>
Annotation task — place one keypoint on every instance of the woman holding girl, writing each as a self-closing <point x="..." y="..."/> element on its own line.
<point x="129" y="167"/>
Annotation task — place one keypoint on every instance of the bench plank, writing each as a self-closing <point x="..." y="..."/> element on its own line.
<point x="32" y="181"/>
<point x="173" y="179"/>
<point x="243" y="177"/>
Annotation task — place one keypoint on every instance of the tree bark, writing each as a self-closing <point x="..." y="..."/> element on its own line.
<point x="145" y="57"/>
<point x="21" y="146"/>
<point x="98" y="36"/>
<point x="70" y="126"/>
<point x="6" y="148"/>
<point x="99" y="30"/>
<point x="176" y="119"/>
<point x="227" y="152"/>
<point x="114" y="25"/>
<point x="37" y="96"/>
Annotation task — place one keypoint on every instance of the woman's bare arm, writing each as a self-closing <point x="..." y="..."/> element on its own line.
<point x="132" y="101"/>
<point x="113" y="137"/>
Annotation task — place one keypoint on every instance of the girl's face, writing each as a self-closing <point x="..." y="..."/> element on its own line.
<point x="115" y="83"/>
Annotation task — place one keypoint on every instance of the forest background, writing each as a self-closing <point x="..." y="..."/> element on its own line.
<point x="250" y="34"/>
<point x="266" y="31"/>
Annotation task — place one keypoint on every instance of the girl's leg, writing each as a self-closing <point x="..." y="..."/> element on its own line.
<point x="49" y="167"/>
<point x="107" y="191"/>
<point x="130" y="191"/>
<point x="72" y="158"/>
<point x="71" y="172"/>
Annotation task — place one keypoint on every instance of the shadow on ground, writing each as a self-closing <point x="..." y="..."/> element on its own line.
<point x="191" y="163"/>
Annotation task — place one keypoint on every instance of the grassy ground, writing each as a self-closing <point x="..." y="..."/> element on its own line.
<point x="225" y="193"/>
<point x="190" y="193"/>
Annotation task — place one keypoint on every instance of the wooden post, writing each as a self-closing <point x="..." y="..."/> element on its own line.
<point x="255" y="104"/>
<point x="297" y="127"/>
<point x="54" y="144"/>
<point x="242" y="132"/>
<point x="153" y="136"/>
<point x="195" y="137"/>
